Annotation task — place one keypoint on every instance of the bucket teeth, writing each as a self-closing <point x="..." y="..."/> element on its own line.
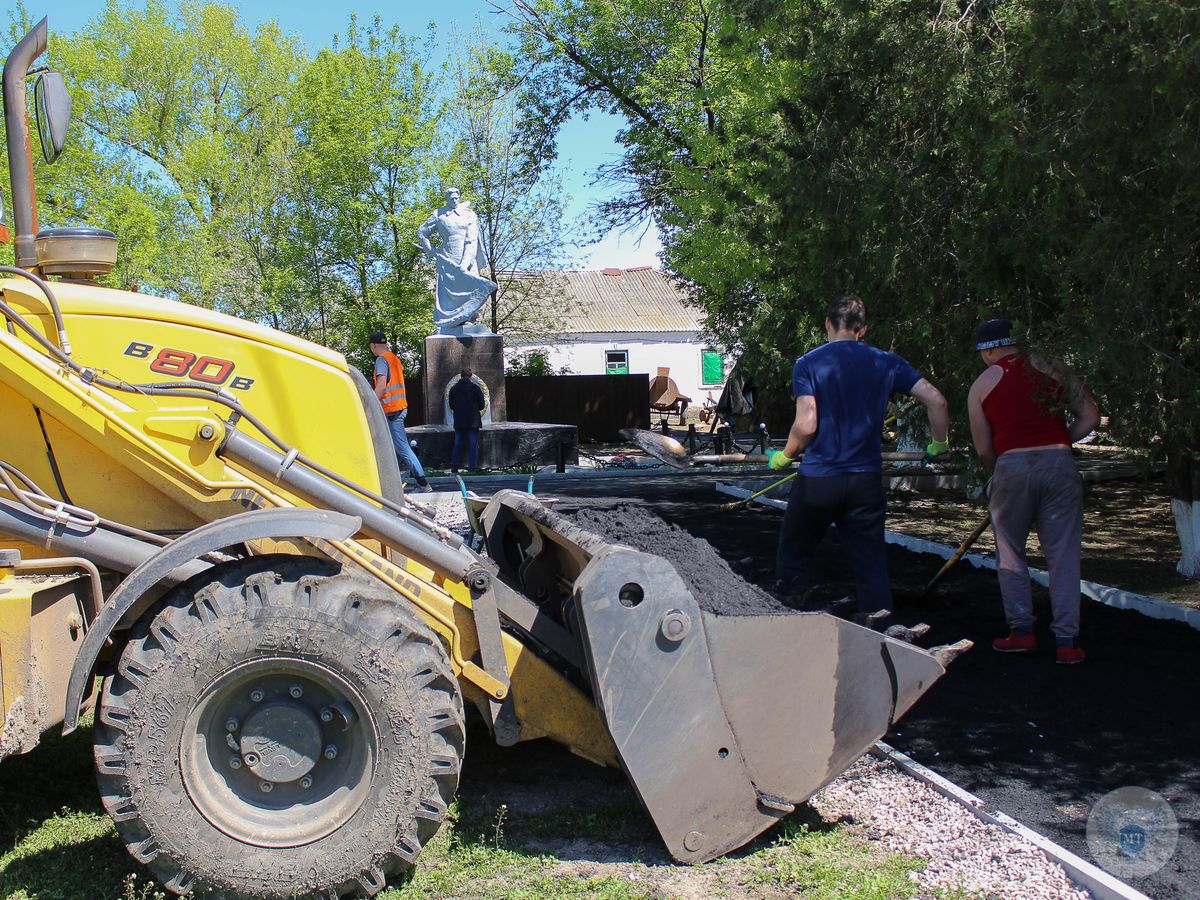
<point x="947" y="653"/>
<point x="907" y="634"/>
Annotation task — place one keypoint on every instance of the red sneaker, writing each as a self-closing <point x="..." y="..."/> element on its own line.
<point x="1016" y="643"/>
<point x="1069" y="654"/>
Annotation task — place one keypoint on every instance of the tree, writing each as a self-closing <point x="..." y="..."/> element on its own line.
<point x="370" y="160"/>
<point x="1123" y="217"/>
<point x="503" y="161"/>
<point x="90" y="184"/>
<point x="187" y="109"/>
<point x="948" y="161"/>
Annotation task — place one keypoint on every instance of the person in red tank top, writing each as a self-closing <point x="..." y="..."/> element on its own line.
<point x="1025" y="413"/>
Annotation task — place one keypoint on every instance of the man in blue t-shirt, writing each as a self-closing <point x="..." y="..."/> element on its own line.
<point x="842" y="390"/>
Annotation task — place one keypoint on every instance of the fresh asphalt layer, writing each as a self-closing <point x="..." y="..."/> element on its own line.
<point x="1038" y="741"/>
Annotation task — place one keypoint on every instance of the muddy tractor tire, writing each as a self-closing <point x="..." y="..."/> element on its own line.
<point x="279" y="728"/>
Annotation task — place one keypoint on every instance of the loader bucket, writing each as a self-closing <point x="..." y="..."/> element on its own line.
<point x="723" y="723"/>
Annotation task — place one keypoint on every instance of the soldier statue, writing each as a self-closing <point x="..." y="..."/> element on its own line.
<point x="458" y="258"/>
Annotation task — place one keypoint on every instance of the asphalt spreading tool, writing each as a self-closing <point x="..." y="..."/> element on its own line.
<point x="734" y="504"/>
<point x="668" y="450"/>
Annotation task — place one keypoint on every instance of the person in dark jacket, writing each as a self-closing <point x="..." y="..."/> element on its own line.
<point x="466" y="404"/>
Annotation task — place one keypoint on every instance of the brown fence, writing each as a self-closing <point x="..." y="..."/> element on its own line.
<point x="598" y="405"/>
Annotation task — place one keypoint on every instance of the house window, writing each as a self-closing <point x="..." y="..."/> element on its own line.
<point x="712" y="367"/>
<point x="616" y="362"/>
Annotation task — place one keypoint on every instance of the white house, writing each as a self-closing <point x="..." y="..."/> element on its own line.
<point x="628" y="321"/>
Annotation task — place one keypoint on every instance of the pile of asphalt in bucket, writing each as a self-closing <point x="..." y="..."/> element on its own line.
<point x="716" y="587"/>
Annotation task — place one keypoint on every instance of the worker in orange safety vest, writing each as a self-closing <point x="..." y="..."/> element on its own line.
<point x="389" y="388"/>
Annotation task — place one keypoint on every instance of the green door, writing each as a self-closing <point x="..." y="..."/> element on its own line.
<point x="712" y="366"/>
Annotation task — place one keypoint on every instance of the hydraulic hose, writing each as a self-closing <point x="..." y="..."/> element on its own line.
<point x="34" y="498"/>
<point x="51" y="299"/>
<point x="40" y="503"/>
<point x="113" y="551"/>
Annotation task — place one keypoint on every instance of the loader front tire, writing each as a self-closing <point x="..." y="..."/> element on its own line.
<point x="279" y="728"/>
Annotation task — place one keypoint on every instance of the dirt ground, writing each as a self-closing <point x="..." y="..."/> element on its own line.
<point x="1129" y="538"/>
<point x="1039" y="741"/>
<point x="532" y="795"/>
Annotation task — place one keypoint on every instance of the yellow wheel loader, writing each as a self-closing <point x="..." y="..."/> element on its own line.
<point x="205" y="516"/>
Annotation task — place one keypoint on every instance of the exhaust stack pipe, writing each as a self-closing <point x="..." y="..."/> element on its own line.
<point x="20" y="151"/>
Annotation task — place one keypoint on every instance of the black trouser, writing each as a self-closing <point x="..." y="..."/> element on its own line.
<point x="856" y="503"/>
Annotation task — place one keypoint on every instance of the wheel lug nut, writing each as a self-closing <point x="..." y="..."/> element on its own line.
<point x="331" y="751"/>
<point x="306" y="782"/>
<point x="266" y="787"/>
<point x="256" y="695"/>
<point x="235" y="762"/>
<point x="231" y="724"/>
<point x="251" y="759"/>
<point x="327" y="715"/>
<point x="296" y="691"/>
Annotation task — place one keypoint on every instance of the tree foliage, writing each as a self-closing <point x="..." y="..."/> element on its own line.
<point x="190" y="108"/>
<point x="245" y="174"/>
<point x="370" y="160"/>
<point x="949" y="161"/>
<point x="503" y="166"/>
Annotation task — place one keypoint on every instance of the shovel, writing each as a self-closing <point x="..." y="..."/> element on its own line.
<point x="670" y="451"/>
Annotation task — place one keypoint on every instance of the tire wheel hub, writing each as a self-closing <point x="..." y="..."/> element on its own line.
<point x="281" y="742"/>
<point x="260" y="764"/>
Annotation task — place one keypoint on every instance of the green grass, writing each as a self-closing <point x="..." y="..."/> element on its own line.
<point x="621" y="819"/>
<point x="463" y="863"/>
<point x="56" y="842"/>
<point x="831" y="863"/>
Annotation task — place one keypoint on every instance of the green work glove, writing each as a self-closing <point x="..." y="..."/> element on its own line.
<point x="779" y="460"/>
<point x="935" y="449"/>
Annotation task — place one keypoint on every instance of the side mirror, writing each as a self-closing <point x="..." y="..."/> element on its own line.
<point x="52" y="104"/>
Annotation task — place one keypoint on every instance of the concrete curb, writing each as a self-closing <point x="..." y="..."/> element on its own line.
<point x="1102" y="885"/>
<point x="1151" y="607"/>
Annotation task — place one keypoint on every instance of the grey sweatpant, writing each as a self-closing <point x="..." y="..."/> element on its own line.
<point x="1042" y="489"/>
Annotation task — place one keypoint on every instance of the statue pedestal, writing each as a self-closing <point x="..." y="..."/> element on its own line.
<point x="448" y="354"/>
<point x="501" y="446"/>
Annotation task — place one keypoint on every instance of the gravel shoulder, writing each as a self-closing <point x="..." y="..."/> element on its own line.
<point x="964" y="853"/>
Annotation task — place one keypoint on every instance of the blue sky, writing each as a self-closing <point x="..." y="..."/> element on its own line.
<point x="583" y="145"/>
